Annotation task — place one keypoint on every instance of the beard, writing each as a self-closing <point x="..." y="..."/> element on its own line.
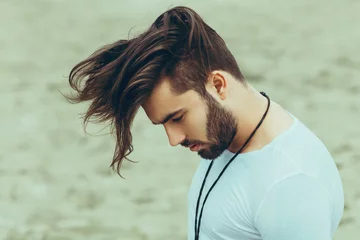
<point x="221" y="128"/>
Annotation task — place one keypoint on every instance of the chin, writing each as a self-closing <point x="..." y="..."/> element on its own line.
<point x="211" y="154"/>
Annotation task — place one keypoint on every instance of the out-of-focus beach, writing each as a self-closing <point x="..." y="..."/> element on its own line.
<point x="55" y="181"/>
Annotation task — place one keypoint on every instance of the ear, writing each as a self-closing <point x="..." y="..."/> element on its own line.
<point x="217" y="85"/>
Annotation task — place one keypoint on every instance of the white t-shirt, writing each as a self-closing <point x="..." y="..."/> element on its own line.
<point x="289" y="190"/>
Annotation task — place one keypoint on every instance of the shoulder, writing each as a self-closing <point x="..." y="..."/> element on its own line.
<point x="293" y="208"/>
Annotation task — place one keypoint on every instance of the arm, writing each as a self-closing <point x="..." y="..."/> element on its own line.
<point x="296" y="208"/>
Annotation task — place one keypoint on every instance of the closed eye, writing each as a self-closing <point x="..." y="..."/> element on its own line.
<point x="176" y="120"/>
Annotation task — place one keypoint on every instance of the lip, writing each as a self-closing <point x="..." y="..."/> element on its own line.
<point x="195" y="147"/>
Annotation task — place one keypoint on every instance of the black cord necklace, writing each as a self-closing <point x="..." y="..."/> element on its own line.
<point x="197" y="225"/>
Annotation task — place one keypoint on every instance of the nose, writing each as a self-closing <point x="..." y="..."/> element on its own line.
<point x="175" y="136"/>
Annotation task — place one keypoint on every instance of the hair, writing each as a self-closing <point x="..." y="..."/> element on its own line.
<point x="119" y="77"/>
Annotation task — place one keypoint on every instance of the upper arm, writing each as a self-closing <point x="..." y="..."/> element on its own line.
<point x="296" y="208"/>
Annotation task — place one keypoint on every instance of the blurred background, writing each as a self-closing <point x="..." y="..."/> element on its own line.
<point x="55" y="181"/>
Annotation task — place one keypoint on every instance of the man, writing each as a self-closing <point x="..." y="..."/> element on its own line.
<point x="263" y="174"/>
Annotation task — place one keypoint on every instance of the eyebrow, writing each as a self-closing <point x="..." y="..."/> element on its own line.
<point x="168" y="117"/>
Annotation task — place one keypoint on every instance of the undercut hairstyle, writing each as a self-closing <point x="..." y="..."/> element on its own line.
<point x="119" y="77"/>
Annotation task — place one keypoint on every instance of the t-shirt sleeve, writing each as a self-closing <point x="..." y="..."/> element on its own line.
<point x="296" y="208"/>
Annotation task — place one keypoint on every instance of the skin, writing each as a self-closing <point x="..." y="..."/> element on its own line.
<point x="222" y="120"/>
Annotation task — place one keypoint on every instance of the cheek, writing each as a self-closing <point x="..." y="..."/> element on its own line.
<point x="196" y="126"/>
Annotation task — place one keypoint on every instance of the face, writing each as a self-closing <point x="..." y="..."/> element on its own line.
<point x="199" y="123"/>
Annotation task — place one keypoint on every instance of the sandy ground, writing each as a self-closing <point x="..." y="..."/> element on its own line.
<point x="54" y="180"/>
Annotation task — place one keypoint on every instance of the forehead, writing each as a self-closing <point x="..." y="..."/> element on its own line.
<point x="163" y="101"/>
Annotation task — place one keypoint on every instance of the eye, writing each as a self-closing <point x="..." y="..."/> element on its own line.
<point x="176" y="120"/>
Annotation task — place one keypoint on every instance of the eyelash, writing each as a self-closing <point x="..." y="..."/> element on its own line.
<point x="178" y="119"/>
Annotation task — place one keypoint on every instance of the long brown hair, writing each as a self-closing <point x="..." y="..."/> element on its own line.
<point x="120" y="76"/>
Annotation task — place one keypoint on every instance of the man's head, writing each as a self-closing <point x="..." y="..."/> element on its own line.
<point x="199" y="121"/>
<point x="176" y="64"/>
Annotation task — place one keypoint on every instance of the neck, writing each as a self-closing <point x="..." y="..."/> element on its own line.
<point x="249" y="113"/>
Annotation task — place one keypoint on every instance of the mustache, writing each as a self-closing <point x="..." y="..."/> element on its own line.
<point x="188" y="143"/>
